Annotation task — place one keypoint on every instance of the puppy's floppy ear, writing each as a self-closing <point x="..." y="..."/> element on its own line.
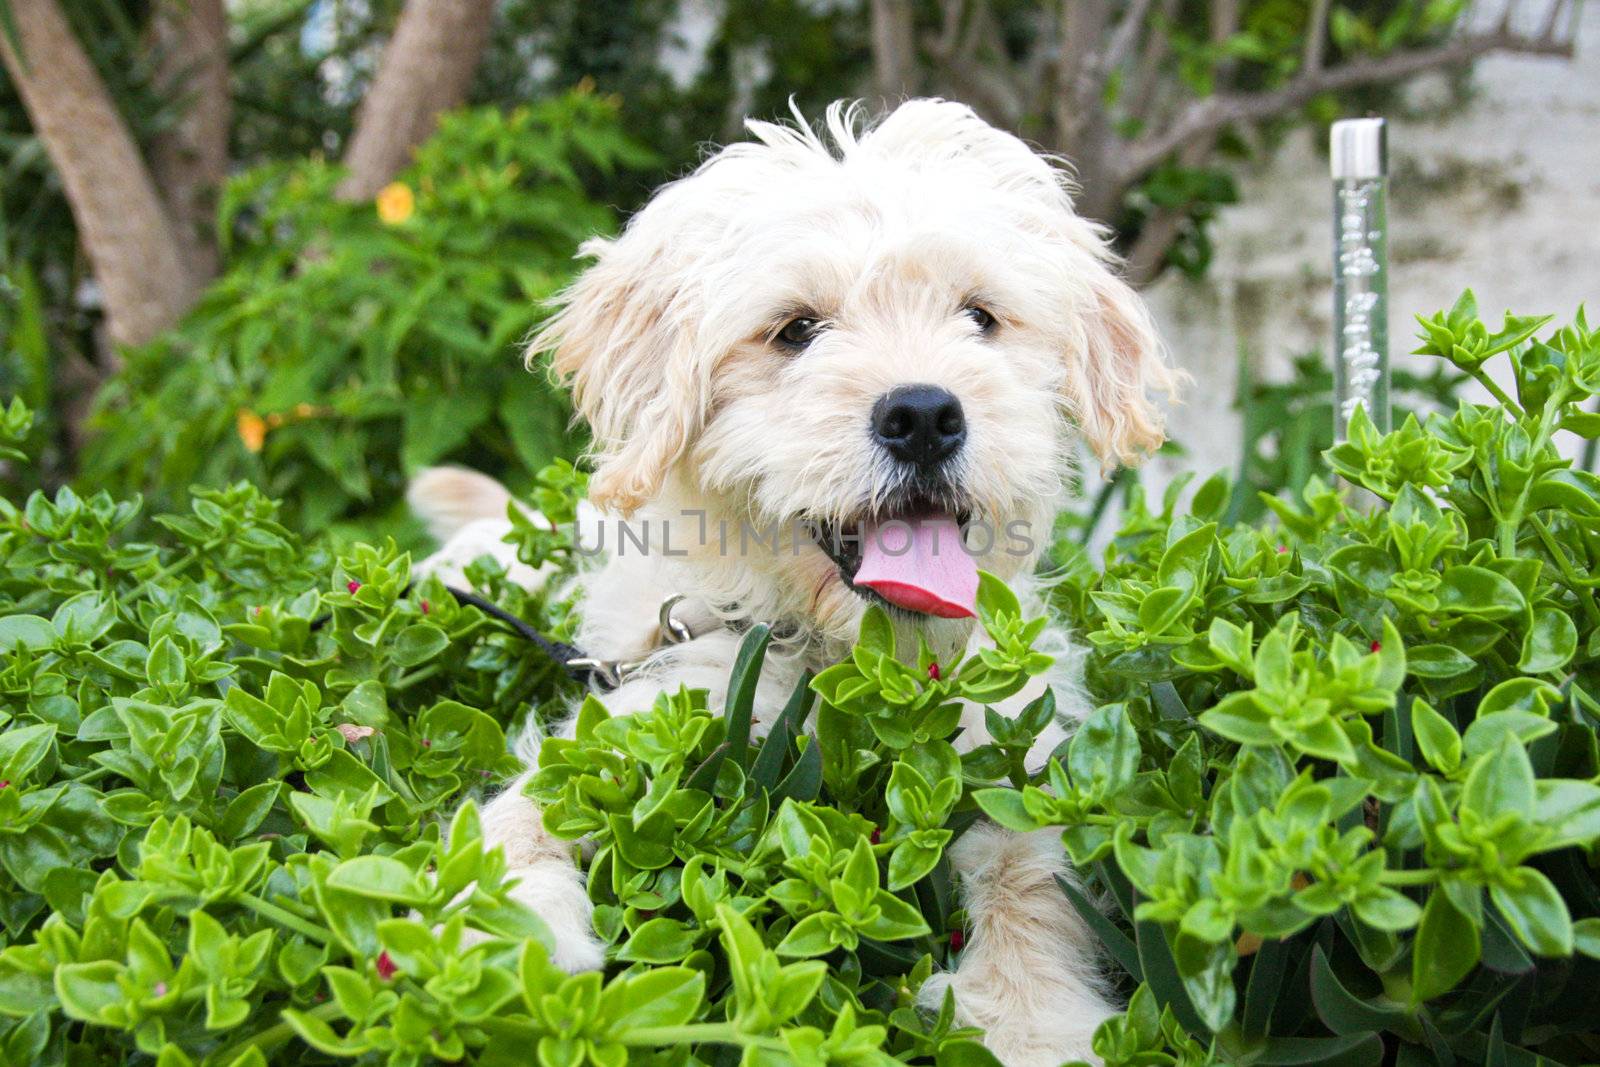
<point x="1115" y="367"/>
<point x="621" y="338"/>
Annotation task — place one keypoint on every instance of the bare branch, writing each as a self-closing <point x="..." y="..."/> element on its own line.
<point x="982" y="33"/>
<point x="989" y="90"/>
<point x="426" y="68"/>
<point x="1147" y="70"/>
<point x="1214" y="113"/>
<point x="1149" y="252"/>
<point x="949" y="39"/>
<point x="976" y="71"/>
<point x="1552" y="17"/>
<point x="1083" y="22"/>
<point x="1162" y="229"/>
<point x="1224" y="21"/>
<point x="189" y="160"/>
<point x="894" y="48"/>
<point x="1124" y="37"/>
<point x="1316" y="36"/>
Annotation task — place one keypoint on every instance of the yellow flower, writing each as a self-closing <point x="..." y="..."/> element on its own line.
<point x="396" y="203"/>
<point x="252" y="430"/>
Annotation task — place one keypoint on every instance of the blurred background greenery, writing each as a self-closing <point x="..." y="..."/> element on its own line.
<point x="298" y="241"/>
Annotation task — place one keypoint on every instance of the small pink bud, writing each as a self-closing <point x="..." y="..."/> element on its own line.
<point x="1282" y="549"/>
<point x="426" y="743"/>
<point x="957" y="940"/>
<point x="5" y="783"/>
<point x="933" y="670"/>
<point x="386" y="967"/>
<point x="426" y="607"/>
<point x="160" y="989"/>
<point x="352" y="585"/>
<point x="1377" y="646"/>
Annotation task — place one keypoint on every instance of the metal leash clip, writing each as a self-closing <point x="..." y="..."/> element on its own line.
<point x="611" y="673"/>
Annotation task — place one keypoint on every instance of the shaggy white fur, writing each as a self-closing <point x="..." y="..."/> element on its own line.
<point x="707" y="426"/>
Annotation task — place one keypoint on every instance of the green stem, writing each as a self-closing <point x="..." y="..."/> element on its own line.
<point x="700" y="1033"/>
<point x="170" y="569"/>
<point x="1547" y="419"/>
<point x="284" y="917"/>
<point x="421" y="674"/>
<point x="1573" y="578"/>
<point x="1496" y="392"/>
<point x="1019" y="769"/>
<point x="1411" y="877"/>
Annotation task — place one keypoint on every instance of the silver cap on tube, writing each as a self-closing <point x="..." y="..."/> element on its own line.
<point x="1358" y="149"/>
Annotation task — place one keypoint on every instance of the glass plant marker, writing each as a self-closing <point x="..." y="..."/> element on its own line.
<point x="1358" y="159"/>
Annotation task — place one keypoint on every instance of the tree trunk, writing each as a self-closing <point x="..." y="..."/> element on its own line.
<point x="143" y="279"/>
<point x="190" y="160"/>
<point x="427" y="68"/>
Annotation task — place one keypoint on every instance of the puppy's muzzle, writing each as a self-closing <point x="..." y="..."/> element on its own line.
<point x="921" y="426"/>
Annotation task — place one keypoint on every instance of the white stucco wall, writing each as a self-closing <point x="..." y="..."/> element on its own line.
<point x="1502" y="196"/>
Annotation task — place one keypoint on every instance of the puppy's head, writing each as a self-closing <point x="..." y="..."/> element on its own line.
<point x="852" y="329"/>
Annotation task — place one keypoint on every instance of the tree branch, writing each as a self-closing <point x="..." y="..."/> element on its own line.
<point x="1147" y="69"/>
<point x="1149" y="252"/>
<point x="1316" y="36"/>
<point x="1214" y="113"/>
<point x="1083" y="22"/>
<point x="944" y="46"/>
<point x="975" y="70"/>
<point x="894" y="49"/>
<point x="1120" y="46"/>
<point x="1161" y="229"/>
<point x="189" y="160"/>
<point x="426" y="68"/>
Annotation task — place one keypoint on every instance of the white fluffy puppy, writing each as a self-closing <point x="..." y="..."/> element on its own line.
<point x="890" y="335"/>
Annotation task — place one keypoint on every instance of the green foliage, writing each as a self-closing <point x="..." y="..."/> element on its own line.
<point x="346" y="346"/>
<point x="1338" y="791"/>
<point x="1345" y="797"/>
<point x="1289" y="425"/>
<point x="227" y="762"/>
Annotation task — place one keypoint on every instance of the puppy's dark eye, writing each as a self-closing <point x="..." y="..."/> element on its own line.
<point x="799" y="332"/>
<point x="981" y="316"/>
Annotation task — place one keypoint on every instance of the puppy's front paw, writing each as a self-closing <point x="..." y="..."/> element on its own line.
<point x="554" y="892"/>
<point x="1042" y="1030"/>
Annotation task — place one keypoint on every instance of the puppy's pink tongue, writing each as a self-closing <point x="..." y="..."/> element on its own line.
<point x="920" y="565"/>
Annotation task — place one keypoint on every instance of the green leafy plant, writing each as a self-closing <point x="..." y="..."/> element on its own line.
<point x="1346" y="801"/>
<point x="1336" y="801"/>
<point x="1288" y="425"/>
<point x="347" y="345"/>
<point x="237" y="777"/>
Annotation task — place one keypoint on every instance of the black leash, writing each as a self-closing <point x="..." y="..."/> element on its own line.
<point x="582" y="668"/>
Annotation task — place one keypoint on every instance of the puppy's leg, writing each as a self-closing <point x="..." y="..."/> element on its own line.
<point x="1029" y="974"/>
<point x="549" y="882"/>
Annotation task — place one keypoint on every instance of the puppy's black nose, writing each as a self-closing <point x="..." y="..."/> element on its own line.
<point x="919" y="424"/>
